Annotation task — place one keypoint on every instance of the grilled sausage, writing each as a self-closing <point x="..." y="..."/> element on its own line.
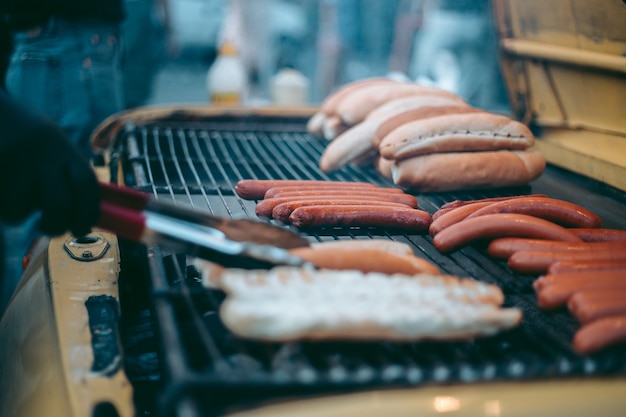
<point x="600" y="235"/>
<point x="407" y="199"/>
<point x="272" y="192"/>
<point x="503" y="248"/>
<point x="264" y="208"/>
<point x="600" y="334"/>
<point x="356" y="105"/>
<point x="367" y="216"/>
<point x="557" y="211"/>
<point x="282" y="211"/>
<point x="453" y="216"/>
<point x="459" y="203"/>
<point x="579" y="279"/>
<point x="587" y="306"/>
<point x="556" y="292"/>
<point x="538" y="262"/>
<point x="250" y="189"/>
<point x="591" y="265"/>
<point x="392" y="246"/>
<point x="366" y="260"/>
<point x="499" y="225"/>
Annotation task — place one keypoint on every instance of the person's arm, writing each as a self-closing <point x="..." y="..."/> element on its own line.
<point x="40" y="170"/>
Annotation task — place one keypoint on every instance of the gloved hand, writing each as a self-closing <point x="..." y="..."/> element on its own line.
<point x="40" y="170"/>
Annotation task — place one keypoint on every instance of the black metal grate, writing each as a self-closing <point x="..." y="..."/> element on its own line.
<point x="206" y="369"/>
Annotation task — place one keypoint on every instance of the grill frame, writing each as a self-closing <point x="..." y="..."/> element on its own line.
<point x="221" y="381"/>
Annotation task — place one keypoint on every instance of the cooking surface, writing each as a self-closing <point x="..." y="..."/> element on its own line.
<point x="203" y="367"/>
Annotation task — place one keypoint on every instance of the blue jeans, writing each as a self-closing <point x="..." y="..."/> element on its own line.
<point x="71" y="72"/>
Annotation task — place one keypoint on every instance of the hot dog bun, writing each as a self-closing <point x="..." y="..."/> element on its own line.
<point x="468" y="170"/>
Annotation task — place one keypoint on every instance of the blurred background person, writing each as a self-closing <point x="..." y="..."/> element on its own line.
<point x="147" y="45"/>
<point x="65" y="64"/>
<point x="456" y="48"/>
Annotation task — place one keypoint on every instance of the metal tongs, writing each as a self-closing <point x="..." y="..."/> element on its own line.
<point x="243" y="243"/>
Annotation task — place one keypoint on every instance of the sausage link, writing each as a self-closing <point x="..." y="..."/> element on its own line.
<point x="560" y="212"/>
<point x="403" y="198"/>
<point x="459" y="203"/>
<point x="538" y="262"/>
<point x="599" y="334"/>
<point x="557" y="294"/>
<point x="592" y="265"/>
<point x="580" y="279"/>
<point x="600" y="235"/>
<point x="499" y="225"/>
<point x="282" y="211"/>
<point x="589" y="305"/>
<point x="454" y="216"/>
<point x="338" y="188"/>
<point x="503" y="248"/>
<point x="264" y="208"/>
<point x="250" y="189"/>
<point x="366" y="260"/>
<point x="373" y="216"/>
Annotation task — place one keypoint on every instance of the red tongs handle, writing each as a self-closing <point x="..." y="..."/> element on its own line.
<point x="121" y="211"/>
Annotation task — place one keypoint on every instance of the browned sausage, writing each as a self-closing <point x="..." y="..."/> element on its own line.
<point x="578" y="279"/>
<point x="591" y="265"/>
<point x="590" y="305"/>
<point x="255" y="189"/>
<point x="538" y="262"/>
<point x="366" y="260"/>
<point x="459" y="203"/>
<point x="454" y="216"/>
<point x="265" y="207"/>
<point x="504" y="247"/>
<point x="272" y="192"/>
<point x="374" y="216"/>
<point x="600" y="235"/>
<point x="282" y="211"/>
<point x="407" y="199"/>
<point x="560" y="212"/>
<point x="557" y="293"/>
<point x="600" y="334"/>
<point x="499" y="225"/>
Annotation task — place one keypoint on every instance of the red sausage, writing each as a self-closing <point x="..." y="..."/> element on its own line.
<point x="376" y="216"/>
<point x="592" y="265"/>
<point x="587" y="306"/>
<point x="599" y="334"/>
<point x="255" y="189"/>
<point x="264" y="208"/>
<point x="600" y="235"/>
<point x="557" y="295"/>
<point x="282" y="211"/>
<point x="459" y="203"/>
<point x="582" y="279"/>
<point x="538" y="262"/>
<point x="560" y="212"/>
<point x="272" y="192"/>
<point x="505" y="247"/>
<point x="499" y="225"/>
<point x="407" y="199"/>
<point x="453" y="216"/>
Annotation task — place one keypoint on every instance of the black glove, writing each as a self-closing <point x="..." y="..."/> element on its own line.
<point x="40" y="170"/>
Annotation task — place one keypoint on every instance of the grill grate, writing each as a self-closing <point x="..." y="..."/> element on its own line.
<point x="206" y="368"/>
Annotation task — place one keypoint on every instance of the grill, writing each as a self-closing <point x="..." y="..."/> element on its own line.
<point x="182" y="360"/>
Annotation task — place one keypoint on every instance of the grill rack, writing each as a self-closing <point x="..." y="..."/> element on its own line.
<point x="207" y="370"/>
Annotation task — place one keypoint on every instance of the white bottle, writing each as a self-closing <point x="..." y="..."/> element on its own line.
<point x="226" y="79"/>
<point x="289" y="87"/>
